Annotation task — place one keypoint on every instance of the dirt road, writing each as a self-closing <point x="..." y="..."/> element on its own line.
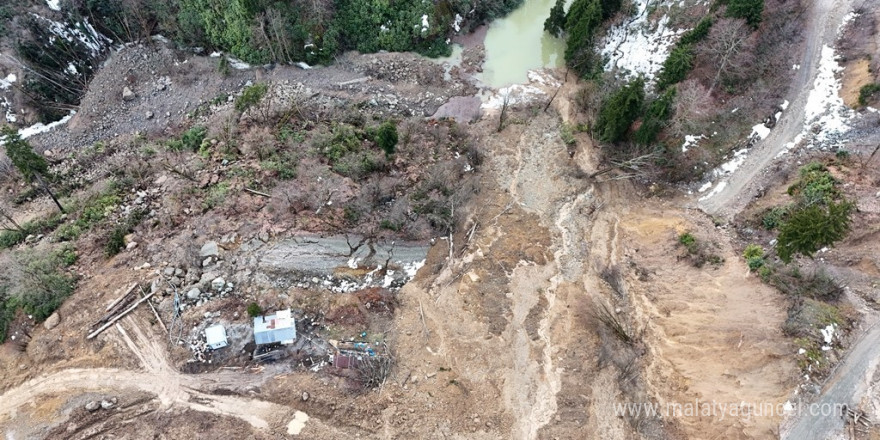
<point x="157" y="377"/>
<point x="825" y="17"/>
<point x="821" y="419"/>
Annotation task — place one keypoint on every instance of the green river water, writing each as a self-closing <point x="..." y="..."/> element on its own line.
<point x="517" y="43"/>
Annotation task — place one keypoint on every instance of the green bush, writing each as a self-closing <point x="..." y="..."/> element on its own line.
<point x="251" y="96"/>
<point x="254" y="310"/>
<point x="815" y="185"/>
<point x="344" y="140"/>
<point x="775" y="217"/>
<point x="752" y="251"/>
<point x="867" y="92"/>
<point x="191" y="140"/>
<point x="215" y="196"/>
<point x="386" y="138"/>
<point x="619" y="111"/>
<point x="116" y="241"/>
<point x="687" y="240"/>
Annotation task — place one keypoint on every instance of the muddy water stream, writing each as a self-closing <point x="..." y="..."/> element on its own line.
<point x="517" y="43"/>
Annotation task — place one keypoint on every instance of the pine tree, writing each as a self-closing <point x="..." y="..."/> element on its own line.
<point x="31" y="165"/>
<point x="555" y="23"/>
<point x="620" y="110"/>
<point x="583" y="18"/>
<point x="813" y="227"/>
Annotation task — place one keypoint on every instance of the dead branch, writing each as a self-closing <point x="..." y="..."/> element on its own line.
<point x="258" y="193"/>
<point x="118" y="317"/>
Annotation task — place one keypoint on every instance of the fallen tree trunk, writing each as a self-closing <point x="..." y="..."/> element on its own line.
<point x="118" y="317"/>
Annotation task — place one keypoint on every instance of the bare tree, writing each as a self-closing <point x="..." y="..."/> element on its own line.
<point x="725" y="45"/>
<point x="692" y="109"/>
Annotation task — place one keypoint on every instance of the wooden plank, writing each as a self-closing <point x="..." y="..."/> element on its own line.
<point x="127" y="292"/>
<point x="155" y="312"/>
<point x="118" y="317"/>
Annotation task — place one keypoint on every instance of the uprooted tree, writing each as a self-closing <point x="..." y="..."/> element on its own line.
<point x="31" y="165"/>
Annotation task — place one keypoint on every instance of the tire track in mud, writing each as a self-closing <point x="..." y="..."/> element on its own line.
<point x="157" y="377"/>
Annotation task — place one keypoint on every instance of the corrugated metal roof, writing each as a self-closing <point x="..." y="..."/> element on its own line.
<point x="279" y="327"/>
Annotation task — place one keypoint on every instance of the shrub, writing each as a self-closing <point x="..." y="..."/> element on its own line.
<point x="620" y="110"/>
<point x="191" y="140"/>
<point x="688" y="241"/>
<point x="386" y="137"/>
<point x="254" y="310"/>
<point x="752" y="251"/>
<point x="116" y="241"/>
<point x="215" y="196"/>
<point x="775" y="217"/>
<point x="250" y="96"/>
<point x="866" y="93"/>
<point x="816" y="185"/>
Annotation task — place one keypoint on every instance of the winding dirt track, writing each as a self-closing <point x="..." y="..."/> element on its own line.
<point x="825" y="17"/>
<point x="158" y="377"/>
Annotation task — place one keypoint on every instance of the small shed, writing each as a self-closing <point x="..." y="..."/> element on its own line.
<point x="279" y="327"/>
<point x="215" y="336"/>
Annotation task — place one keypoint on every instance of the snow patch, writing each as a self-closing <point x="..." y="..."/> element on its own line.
<point x="6" y="83"/>
<point x="705" y="186"/>
<point x="54" y="5"/>
<point x="39" y="127"/>
<point x="828" y="333"/>
<point x="425" y="24"/>
<point x="761" y="131"/>
<point x="824" y="106"/>
<point x="690" y="141"/>
<point x="717" y="190"/>
<point x="638" y="46"/>
<point x="456" y="24"/>
<point x="238" y="64"/>
<point x="84" y="32"/>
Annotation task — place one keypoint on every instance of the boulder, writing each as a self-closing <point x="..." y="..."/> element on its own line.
<point x="52" y="321"/>
<point x="209" y="249"/>
<point x="127" y="94"/>
<point x="92" y="406"/>
<point x="106" y="404"/>
<point x="218" y="283"/>
<point x="194" y="294"/>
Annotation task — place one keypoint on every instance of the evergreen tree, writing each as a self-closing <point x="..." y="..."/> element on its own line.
<point x="750" y="10"/>
<point x="555" y="23"/>
<point x="387" y="137"/>
<point x="813" y="227"/>
<point x="610" y="7"/>
<point x="676" y="66"/>
<point x="31" y="165"/>
<point x="620" y="110"/>
<point x="583" y="18"/>
<point x="656" y="115"/>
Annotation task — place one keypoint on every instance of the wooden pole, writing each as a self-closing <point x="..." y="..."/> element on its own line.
<point x="118" y="317"/>
<point x="155" y="312"/>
